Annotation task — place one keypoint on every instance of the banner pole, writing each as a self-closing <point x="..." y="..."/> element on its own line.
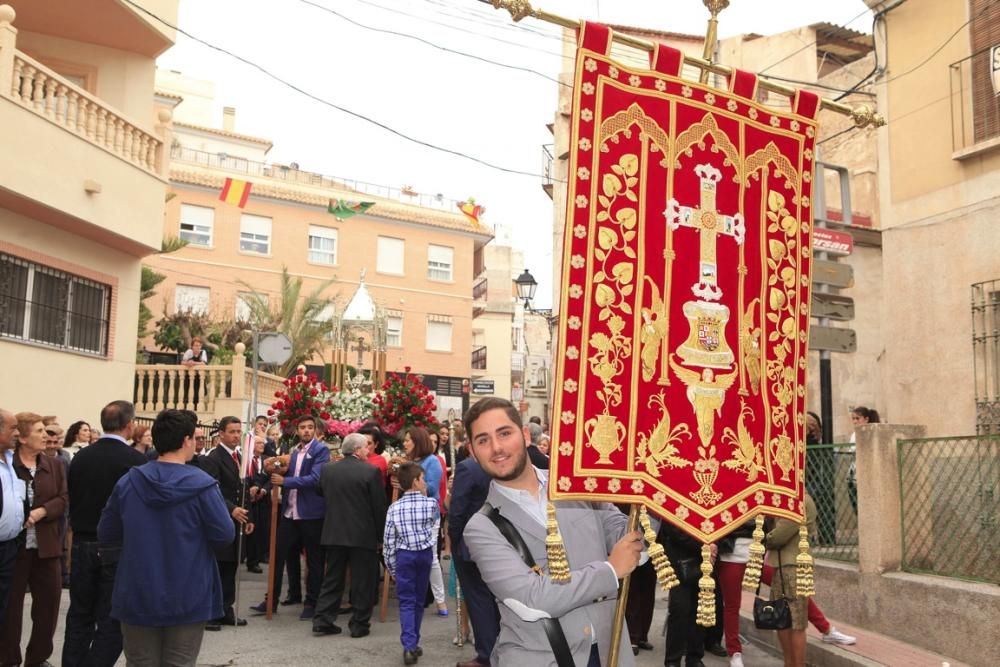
<point x="383" y="610"/>
<point x="619" y="622"/>
<point x="272" y="551"/>
<point x="862" y="115"/>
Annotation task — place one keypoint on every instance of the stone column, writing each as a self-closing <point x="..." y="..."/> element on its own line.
<point x="879" y="521"/>
<point x="8" y="42"/>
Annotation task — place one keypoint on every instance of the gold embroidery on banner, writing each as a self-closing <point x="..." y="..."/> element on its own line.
<point x="782" y="287"/>
<point x="750" y="346"/>
<point x="696" y="133"/>
<point x="654" y="331"/>
<point x="613" y="285"/>
<point x="621" y="122"/>
<point x="782" y="165"/>
<point x="747" y="455"/>
<point x="783" y="453"/>
<point x="658" y="451"/>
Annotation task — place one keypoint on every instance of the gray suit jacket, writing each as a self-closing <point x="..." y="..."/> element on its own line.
<point x="589" y="531"/>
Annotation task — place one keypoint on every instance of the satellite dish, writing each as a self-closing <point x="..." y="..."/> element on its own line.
<point x="274" y="348"/>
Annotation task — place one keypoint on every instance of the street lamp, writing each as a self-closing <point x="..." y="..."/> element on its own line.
<point x="526" y="286"/>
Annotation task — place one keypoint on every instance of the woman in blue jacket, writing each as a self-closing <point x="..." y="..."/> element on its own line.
<point x="168" y="518"/>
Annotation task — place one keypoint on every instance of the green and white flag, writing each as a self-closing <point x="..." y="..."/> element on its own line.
<point x="345" y="209"/>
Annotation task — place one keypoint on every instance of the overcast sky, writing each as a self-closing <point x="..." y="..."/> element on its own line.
<point x="495" y="114"/>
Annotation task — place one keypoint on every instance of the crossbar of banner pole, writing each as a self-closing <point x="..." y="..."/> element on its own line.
<point x="863" y="115"/>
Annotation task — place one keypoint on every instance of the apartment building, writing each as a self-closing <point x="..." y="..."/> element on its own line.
<point x="82" y="186"/>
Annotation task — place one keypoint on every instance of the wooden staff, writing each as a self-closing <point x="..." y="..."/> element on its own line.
<point x="272" y="551"/>
<point x="616" y="627"/>
<point x="383" y="608"/>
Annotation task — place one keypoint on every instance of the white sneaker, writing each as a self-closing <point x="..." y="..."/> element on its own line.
<point x="835" y="636"/>
<point x="736" y="660"/>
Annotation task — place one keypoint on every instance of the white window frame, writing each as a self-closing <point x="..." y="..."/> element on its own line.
<point x="255" y="229"/>
<point x="201" y="220"/>
<point x="440" y="262"/>
<point x="394" y="331"/>
<point x="320" y="255"/>
<point x="201" y="290"/>
<point x="389" y="253"/>
<point x="435" y="329"/>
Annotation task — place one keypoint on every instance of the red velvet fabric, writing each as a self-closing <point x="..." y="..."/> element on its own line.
<point x="684" y="313"/>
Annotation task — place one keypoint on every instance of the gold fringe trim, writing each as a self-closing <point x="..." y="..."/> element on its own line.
<point x="664" y="570"/>
<point x="805" y="582"/>
<point x="751" y="576"/>
<point x="706" y="590"/>
<point x="555" y="550"/>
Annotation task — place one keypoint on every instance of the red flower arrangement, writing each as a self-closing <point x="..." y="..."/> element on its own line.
<point x="403" y="402"/>
<point x="302" y="396"/>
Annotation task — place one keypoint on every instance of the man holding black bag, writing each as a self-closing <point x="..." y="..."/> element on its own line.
<point x="543" y="623"/>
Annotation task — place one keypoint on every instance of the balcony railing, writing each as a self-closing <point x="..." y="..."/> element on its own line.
<point x="161" y="386"/>
<point x="975" y="111"/>
<point x="479" y="290"/>
<point x="547" y="160"/>
<point x="479" y="358"/>
<point x="179" y="153"/>
<point x="45" y="93"/>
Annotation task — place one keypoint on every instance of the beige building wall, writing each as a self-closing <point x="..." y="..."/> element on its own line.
<point x="939" y="208"/>
<point x="494" y="328"/>
<point x="82" y="195"/>
<point x="224" y="269"/>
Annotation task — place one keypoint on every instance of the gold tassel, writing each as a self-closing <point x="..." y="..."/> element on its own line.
<point x="664" y="570"/>
<point x="751" y="576"/>
<point x="805" y="582"/>
<point x="706" y="590"/>
<point x="555" y="551"/>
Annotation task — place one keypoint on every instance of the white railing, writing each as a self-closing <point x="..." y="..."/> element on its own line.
<point x="39" y="89"/>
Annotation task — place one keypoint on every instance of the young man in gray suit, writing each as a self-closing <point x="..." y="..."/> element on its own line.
<point x="599" y="550"/>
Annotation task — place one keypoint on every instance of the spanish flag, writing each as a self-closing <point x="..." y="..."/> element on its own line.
<point x="236" y="192"/>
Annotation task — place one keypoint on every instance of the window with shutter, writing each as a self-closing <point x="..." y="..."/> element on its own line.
<point x="438" y="335"/>
<point x="984" y="32"/>
<point x="255" y="234"/>
<point x="439" y="262"/>
<point x="191" y="299"/>
<point x="390" y="256"/>
<point x="197" y="223"/>
<point x="322" y="245"/>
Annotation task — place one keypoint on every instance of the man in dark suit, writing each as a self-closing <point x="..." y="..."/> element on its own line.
<point x="302" y="511"/>
<point x="224" y="463"/>
<point x="260" y="508"/>
<point x="468" y="493"/>
<point x="352" y="533"/>
<point x="539" y="460"/>
<point x="92" y="636"/>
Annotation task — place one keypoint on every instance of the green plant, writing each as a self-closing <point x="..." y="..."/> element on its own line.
<point x="147" y="285"/>
<point x="297" y="316"/>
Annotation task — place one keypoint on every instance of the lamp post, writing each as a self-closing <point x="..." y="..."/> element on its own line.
<point x="526" y="288"/>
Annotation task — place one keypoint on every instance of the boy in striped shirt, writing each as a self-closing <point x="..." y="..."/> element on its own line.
<point x="407" y="547"/>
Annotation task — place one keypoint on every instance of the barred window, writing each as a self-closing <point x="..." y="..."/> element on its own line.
<point x="44" y="305"/>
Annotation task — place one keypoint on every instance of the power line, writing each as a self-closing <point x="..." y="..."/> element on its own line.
<point x="818" y="85"/>
<point x="330" y="104"/>
<point x="806" y="46"/>
<point x="431" y="44"/>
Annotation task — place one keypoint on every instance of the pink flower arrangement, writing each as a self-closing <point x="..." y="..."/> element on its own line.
<point x="342" y="428"/>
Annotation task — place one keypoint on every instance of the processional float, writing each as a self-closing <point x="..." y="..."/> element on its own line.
<point x="684" y="314"/>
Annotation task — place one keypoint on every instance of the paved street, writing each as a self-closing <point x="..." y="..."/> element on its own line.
<point x="287" y="640"/>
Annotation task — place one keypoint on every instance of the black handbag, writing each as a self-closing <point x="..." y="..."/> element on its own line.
<point x="772" y="614"/>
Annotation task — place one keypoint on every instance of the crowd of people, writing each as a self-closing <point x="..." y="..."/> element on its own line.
<point x="97" y="511"/>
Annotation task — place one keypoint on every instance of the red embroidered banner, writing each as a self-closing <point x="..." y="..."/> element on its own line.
<point x="685" y="295"/>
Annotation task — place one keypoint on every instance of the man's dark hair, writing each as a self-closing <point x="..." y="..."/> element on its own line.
<point x="116" y="415"/>
<point x="535" y="420"/>
<point x="170" y="429"/>
<point x="258" y="418"/>
<point x="487" y="404"/>
<point x="408" y="474"/>
<point x="306" y="418"/>
<point x="226" y="421"/>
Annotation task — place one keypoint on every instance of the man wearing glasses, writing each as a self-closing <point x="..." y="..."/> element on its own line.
<point x="199" y="448"/>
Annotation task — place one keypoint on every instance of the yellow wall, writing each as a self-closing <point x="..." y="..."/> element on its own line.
<point x="72" y="386"/>
<point x="222" y="267"/>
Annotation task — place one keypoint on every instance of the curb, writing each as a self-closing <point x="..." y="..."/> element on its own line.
<point x="818" y="653"/>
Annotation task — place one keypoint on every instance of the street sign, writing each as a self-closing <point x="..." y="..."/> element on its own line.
<point x="832" y="306"/>
<point x="831" y="241"/>
<point x="274" y="348"/>
<point x="832" y="339"/>
<point x="483" y="387"/>
<point x="835" y="274"/>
